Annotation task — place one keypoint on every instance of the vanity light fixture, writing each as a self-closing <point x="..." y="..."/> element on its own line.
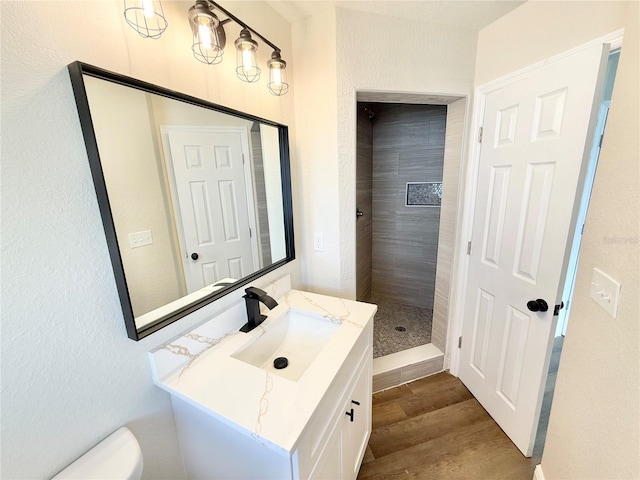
<point x="247" y="67"/>
<point x="277" y="75"/>
<point x="209" y="39"/>
<point x="208" y="35"/>
<point x="146" y="17"/>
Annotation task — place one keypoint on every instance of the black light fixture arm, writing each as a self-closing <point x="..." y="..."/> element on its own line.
<point x="231" y="17"/>
<point x="209" y="39"/>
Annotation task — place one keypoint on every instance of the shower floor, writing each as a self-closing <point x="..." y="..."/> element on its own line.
<point x="399" y="327"/>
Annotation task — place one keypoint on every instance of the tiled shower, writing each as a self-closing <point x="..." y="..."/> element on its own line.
<point x="400" y="156"/>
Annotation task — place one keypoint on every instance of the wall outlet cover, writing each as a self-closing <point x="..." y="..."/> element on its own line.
<point x="605" y="291"/>
<point x="140" y="239"/>
<point x="318" y="242"/>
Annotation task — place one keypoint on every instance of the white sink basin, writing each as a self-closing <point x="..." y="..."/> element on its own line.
<point x="296" y="336"/>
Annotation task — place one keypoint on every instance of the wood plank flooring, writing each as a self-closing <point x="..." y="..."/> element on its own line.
<point x="434" y="428"/>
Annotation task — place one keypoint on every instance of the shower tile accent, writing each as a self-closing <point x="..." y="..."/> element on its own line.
<point x="424" y="194"/>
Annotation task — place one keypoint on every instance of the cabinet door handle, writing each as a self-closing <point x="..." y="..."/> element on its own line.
<point x="349" y="414"/>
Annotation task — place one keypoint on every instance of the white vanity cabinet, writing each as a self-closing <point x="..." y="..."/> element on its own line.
<point x="331" y="445"/>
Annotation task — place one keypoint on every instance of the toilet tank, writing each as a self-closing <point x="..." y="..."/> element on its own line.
<point x="117" y="457"/>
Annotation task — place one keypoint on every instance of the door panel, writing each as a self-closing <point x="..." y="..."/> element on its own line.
<point x="536" y="131"/>
<point x="212" y="207"/>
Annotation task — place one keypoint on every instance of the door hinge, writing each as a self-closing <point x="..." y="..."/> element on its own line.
<point x="557" y="308"/>
<point x="468" y="248"/>
<point x="480" y="135"/>
<point x="250" y="233"/>
<point x="459" y="342"/>
<point x="243" y="158"/>
<point x="601" y="138"/>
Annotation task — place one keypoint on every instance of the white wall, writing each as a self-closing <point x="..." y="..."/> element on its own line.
<point x="594" y="429"/>
<point x="70" y="375"/>
<point x="368" y="52"/>
<point x="314" y="54"/>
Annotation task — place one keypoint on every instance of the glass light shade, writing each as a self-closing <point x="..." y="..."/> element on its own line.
<point x="277" y="75"/>
<point x="206" y="45"/>
<point x="146" y="17"/>
<point x="247" y="68"/>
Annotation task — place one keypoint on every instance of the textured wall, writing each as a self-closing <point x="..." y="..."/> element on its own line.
<point x="361" y="52"/>
<point x="70" y="375"/>
<point x="314" y="43"/>
<point x="594" y="428"/>
<point x="408" y="146"/>
<point x="381" y="53"/>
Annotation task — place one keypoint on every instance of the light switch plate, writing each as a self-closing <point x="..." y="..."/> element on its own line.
<point x="605" y="291"/>
<point x="318" y="242"/>
<point x="140" y="239"/>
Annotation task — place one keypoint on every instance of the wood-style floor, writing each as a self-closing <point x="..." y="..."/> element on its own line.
<point x="433" y="428"/>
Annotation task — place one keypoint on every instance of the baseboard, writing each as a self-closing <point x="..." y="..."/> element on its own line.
<point x="406" y="366"/>
<point x="537" y="473"/>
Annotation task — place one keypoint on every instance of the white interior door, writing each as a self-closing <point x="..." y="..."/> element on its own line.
<point x="535" y="134"/>
<point x="212" y="203"/>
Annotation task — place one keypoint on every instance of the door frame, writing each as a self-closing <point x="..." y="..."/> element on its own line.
<point x="165" y="130"/>
<point x="470" y="188"/>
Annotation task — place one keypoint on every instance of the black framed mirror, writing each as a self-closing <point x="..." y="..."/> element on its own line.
<point x="195" y="197"/>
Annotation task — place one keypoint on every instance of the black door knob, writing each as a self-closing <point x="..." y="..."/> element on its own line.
<point x="194" y="256"/>
<point x="538" y="305"/>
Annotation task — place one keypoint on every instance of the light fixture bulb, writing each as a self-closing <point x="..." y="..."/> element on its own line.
<point x="208" y="35"/>
<point x="246" y="59"/>
<point x="204" y="34"/>
<point x="147" y="8"/>
<point x="277" y="75"/>
<point x="246" y="65"/>
<point x="146" y="17"/>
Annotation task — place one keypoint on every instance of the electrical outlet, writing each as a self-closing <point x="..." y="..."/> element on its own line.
<point x="140" y="239"/>
<point x="605" y="291"/>
<point x="318" y="242"/>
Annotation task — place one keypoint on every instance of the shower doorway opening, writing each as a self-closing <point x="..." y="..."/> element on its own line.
<point x="408" y="157"/>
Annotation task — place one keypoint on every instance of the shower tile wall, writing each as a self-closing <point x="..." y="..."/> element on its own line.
<point x="364" y="177"/>
<point x="261" y="195"/>
<point x="408" y="146"/>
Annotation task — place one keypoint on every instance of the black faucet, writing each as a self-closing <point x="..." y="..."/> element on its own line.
<point x="253" y="298"/>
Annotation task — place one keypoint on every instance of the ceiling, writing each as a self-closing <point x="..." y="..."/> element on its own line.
<point x="471" y="14"/>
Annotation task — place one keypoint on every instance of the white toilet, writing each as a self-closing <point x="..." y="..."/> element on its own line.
<point x="117" y="457"/>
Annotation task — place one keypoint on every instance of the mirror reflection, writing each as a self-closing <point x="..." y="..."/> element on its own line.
<point x="195" y="195"/>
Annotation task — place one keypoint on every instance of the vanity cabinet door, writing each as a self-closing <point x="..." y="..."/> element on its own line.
<point x="356" y="424"/>
<point x="330" y="460"/>
<point x="333" y="446"/>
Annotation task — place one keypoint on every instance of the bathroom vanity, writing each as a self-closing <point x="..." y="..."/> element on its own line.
<point x="237" y="416"/>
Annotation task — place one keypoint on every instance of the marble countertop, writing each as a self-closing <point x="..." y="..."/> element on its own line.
<point x="266" y="406"/>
